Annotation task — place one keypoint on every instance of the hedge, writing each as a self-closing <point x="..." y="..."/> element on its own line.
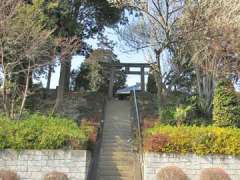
<point x="226" y="105"/>
<point x="41" y="132"/>
<point x="197" y="140"/>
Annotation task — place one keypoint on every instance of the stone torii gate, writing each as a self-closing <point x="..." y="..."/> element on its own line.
<point x="127" y="70"/>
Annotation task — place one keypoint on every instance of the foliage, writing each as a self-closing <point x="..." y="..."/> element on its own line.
<point x="41" y="132"/>
<point x="171" y="173"/>
<point x="210" y="31"/>
<point x="226" y="104"/>
<point x="96" y="72"/>
<point x="151" y="85"/>
<point x="167" y="115"/>
<point x="197" y="140"/>
<point x="147" y="104"/>
<point x="214" y="174"/>
<point x="182" y="114"/>
<point x="75" y="22"/>
<point x="81" y="80"/>
<point x="25" y="45"/>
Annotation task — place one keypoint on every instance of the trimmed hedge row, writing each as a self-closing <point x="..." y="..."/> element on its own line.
<point x="41" y="132"/>
<point x="197" y="140"/>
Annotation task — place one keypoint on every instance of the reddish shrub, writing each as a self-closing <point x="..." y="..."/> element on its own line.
<point x="55" y="176"/>
<point x="171" y="173"/>
<point x="156" y="142"/>
<point x="149" y="122"/>
<point x="8" y="175"/>
<point x="214" y="174"/>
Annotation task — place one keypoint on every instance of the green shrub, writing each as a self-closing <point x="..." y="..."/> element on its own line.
<point x="167" y="115"/>
<point x="151" y="85"/>
<point x="198" y="140"/>
<point x="226" y="106"/>
<point x="181" y="114"/>
<point x="41" y="132"/>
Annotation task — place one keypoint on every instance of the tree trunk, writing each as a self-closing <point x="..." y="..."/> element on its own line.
<point x="50" y="68"/>
<point x="28" y="81"/>
<point x="4" y="93"/>
<point x="63" y="85"/>
<point x="68" y="75"/>
<point x="205" y="86"/>
<point x="4" y="96"/>
<point x="158" y="76"/>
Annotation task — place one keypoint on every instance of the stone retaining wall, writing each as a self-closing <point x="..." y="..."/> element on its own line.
<point x="191" y="164"/>
<point x="34" y="164"/>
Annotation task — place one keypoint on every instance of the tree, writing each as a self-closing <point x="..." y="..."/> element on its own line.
<point x="25" y="45"/>
<point x="151" y="85"/>
<point x="81" y="80"/>
<point x="210" y="33"/>
<point x="155" y="31"/>
<point x="94" y="74"/>
<point x="75" y="21"/>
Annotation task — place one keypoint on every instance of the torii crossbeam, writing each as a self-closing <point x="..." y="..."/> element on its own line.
<point x="127" y="67"/>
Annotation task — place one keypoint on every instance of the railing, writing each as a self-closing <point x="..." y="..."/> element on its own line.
<point x="139" y="134"/>
<point x="94" y="164"/>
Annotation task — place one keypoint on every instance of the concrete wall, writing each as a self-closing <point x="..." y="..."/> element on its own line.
<point x="34" y="164"/>
<point x="190" y="164"/>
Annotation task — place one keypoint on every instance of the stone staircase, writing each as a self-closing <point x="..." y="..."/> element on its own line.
<point x="117" y="161"/>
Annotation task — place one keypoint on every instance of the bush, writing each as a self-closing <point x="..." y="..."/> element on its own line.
<point x="171" y="173"/>
<point x="156" y="142"/>
<point x="198" y="140"/>
<point x="214" y="174"/>
<point x="151" y="85"/>
<point x="55" y="176"/>
<point x="8" y="175"/>
<point x="181" y="114"/>
<point x="226" y="106"/>
<point x="41" y="132"/>
<point x="167" y="115"/>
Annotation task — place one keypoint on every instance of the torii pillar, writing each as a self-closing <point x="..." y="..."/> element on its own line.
<point x="111" y="83"/>
<point x="142" y="78"/>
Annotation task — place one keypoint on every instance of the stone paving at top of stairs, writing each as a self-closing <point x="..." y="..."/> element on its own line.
<point x="117" y="161"/>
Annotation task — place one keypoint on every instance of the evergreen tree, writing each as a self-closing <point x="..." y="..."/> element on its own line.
<point x="151" y="85"/>
<point x="75" y="22"/>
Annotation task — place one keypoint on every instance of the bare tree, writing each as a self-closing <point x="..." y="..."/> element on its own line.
<point x="211" y="35"/>
<point x="24" y="46"/>
<point x="155" y="30"/>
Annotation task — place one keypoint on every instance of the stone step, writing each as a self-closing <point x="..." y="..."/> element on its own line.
<point x="120" y="163"/>
<point x="115" y="144"/>
<point x="116" y="178"/>
<point x="115" y="157"/>
<point x="113" y="167"/>
<point x="116" y="148"/>
<point x="112" y="129"/>
<point x="116" y="141"/>
<point x="114" y="172"/>
<point x="116" y="161"/>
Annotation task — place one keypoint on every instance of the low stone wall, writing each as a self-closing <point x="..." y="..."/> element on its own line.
<point x="191" y="164"/>
<point x="34" y="164"/>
